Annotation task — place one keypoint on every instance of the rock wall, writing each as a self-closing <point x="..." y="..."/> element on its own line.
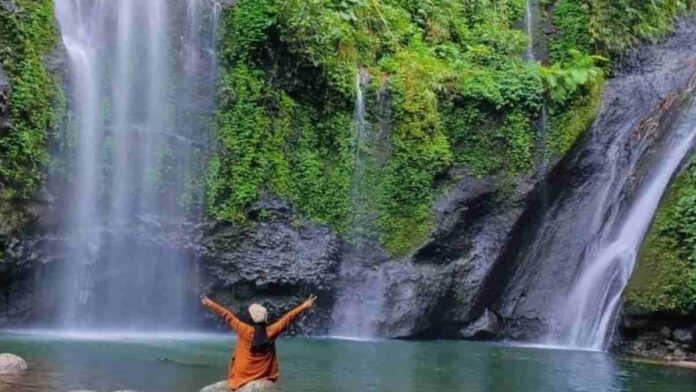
<point x="275" y="261"/>
<point x="547" y="247"/>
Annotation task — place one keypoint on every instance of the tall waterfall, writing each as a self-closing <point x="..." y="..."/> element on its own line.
<point x="589" y="313"/>
<point x="141" y="91"/>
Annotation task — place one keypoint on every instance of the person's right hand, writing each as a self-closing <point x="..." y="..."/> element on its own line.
<point x="205" y="301"/>
<point x="310" y="301"/>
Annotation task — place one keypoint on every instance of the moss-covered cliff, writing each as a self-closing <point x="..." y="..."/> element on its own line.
<point x="32" y="100"/>
<point x="665" y="277"/>
<point x="448" y="88"/>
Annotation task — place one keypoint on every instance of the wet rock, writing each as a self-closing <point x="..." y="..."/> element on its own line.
<point x="656" y="336"/>
<point x="5" y="90"/>
<point x="671" y="346"/>
<point x="487" y="326"/>
<point x="666" y="332"/>
<point x="683" y="335"/>
<point x="274" y="262"/>
<point x="559" y="227"/>
<point x="8" y="5"/>
<point x="439" y="289"/>
<point x="10" y="364"/>
<point x="254" y="386"/>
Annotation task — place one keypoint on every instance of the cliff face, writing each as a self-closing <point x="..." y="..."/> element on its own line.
<point x="276" y="262"/>
<point x="640" y="110"/>
<point x="30" y="108"/>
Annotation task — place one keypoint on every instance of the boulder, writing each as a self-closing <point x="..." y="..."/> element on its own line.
<point x="665" y="332"/>
<point x="683" y="335"/>
<point x="10" y="364"/>
<point x="254" y="386"/>
<point x="487" y="326"/>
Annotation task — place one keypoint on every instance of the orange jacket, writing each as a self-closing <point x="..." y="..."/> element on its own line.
<point x="246" y="366"/>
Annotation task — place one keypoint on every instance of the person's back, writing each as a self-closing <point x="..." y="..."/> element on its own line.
<point x="255" y="356"/>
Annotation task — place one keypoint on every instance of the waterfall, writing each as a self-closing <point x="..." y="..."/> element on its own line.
<point x="529" y="26"/>
<point x="587" y="317"/>
<point x="532" y="9"/>
<point x="362" y="143"/>
<point x="360" y="299"/>
<point x="142" y="77"/>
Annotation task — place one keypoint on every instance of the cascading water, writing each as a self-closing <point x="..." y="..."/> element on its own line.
<point x="534" y="44"/>
<point x="360" y="300"/>
<point x="588" y="316"/>
<point x="530" y="28"/>
<point x="142" y="79"/>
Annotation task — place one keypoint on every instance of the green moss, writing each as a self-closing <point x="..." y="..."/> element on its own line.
<point x="27" y="36"/>
<point x="665" y="276"/>
<point x="568" y="121"/>
<point x="571" y="21"/>
<point x="618" y="25"/>
<point x="460" y="95"/>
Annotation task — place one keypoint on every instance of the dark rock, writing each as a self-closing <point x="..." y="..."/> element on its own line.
<point x="273" y="262"/>
<point x="656" y="336"/>
<point x="683" y="335"/>
<point x="439" y="289"/>
<point x="8" y="5"/>
<point x="560" y="226"/>
<point x="487" y="326"/>
<point x="5" y="90"/>
<point x="666" y="332"/>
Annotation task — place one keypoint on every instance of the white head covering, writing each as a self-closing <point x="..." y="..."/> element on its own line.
<point x="258" y="313"/>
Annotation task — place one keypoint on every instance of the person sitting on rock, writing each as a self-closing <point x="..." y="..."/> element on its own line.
<point x="255" y="359"/>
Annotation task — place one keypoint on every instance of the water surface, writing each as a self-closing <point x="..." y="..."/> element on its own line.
<point x="185" y="363"/>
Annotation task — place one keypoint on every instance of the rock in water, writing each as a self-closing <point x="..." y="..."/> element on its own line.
<point x="486" y="327"/>
<point x="254" y="386"/>
<point x="10" y="363"/>
<point x="683" y="335"/>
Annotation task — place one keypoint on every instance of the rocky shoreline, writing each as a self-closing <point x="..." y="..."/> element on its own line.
<point x="657" y="337"/>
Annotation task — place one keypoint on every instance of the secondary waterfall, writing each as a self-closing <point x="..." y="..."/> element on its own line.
<point x="530" y="28"/>
<point x="588" y="316"/>
<point x="141" y="92"/>
<point x="360" y="300"/>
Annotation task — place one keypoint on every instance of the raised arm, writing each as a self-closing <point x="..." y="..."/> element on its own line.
<point x="229" y="318"/>
<point x="282" y="324"/>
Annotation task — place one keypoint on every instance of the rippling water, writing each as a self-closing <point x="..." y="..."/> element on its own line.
<point x="185" y="363"/>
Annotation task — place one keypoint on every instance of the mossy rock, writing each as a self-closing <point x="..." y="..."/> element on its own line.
<point x="665" y="276"/>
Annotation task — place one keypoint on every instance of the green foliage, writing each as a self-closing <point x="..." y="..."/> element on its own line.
<point x="665" y="278"/>
<point x="563" y="80"/>
<point x="459" y="94"/>
<point x="617" y="25"/>
<point x="27" y="36"/>
<point x="571" y="21"/>
<point x="571" y="119"/>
